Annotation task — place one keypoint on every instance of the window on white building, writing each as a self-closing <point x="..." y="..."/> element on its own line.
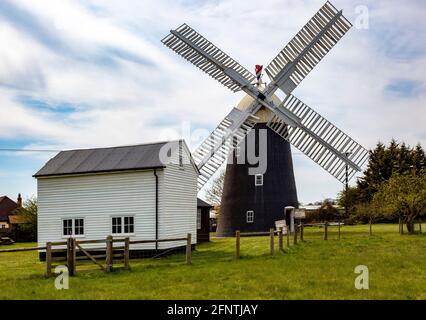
<point x="258" y="180"/>
<point x="73" y="227"/>
<point x="123" y="225"/>
<point x="199" y="218"/>
<point x="250" y="216"/>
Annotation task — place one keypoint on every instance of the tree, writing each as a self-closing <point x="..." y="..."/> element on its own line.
<point x="403" y="195"/>
<point x="28" y="212"/>
<point x="353" y="198"/>
<point x="385" y="162"/>
<point x="214" y="193"/>
<point x="368" y="211"/>
<point x="327" y="211"/>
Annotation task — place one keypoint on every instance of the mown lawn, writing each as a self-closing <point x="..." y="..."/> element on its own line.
<point x="314" y="269"/>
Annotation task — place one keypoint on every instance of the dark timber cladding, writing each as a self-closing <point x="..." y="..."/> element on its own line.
<point x="203" y="233"/>
<point x="267" y="201"/>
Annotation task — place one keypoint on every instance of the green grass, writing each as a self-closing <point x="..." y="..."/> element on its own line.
<point x="314" y="269"/>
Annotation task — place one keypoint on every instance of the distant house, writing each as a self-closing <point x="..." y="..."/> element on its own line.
<point x="144" y="192"/>
<point x="203" y="221"/>
<point x="8" y="208"/>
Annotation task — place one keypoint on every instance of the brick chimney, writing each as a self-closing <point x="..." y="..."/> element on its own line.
<point x="19" y="201"/>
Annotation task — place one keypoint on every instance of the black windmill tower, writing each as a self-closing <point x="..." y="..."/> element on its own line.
<point x="253" y="199"/>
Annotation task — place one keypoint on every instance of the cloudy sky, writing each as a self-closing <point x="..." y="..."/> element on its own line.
<point x="77" y="74"/>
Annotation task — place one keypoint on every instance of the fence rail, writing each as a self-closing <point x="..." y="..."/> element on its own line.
<point x="109" y="252"/>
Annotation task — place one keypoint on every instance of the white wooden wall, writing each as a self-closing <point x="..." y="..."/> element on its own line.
<point x="178" y="200"/>
<point x="98" y="197"/>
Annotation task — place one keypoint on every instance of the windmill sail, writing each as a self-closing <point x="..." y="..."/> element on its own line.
<point x="202" y="53"/>
<point x="211" y="154"/>
<point x="308" y="47"/>
<point x="320" y="140"/>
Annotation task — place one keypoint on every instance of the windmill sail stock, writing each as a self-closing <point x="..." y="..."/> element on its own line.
<point x="211" y="154"/>
<point x="307" y="48"/>
<point x="319" y="139"/>
<point x="292" y="119"/>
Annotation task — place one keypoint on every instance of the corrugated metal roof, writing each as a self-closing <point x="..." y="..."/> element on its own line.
<point x="135" y="157"/>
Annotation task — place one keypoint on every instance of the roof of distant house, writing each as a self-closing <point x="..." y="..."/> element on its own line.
<point x="7" y="206"/>
<point x="97" y="160"/>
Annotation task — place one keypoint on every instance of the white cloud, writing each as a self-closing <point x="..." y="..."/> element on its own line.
<point x="105" y="58"/>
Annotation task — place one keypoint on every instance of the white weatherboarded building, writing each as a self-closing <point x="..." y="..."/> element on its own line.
<point x="144" y="192"/>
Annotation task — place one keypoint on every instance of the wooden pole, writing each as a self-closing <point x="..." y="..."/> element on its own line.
<point x="420" y="226"/>
<point x="325" y="230"/>
<point x="280" y="239"/>
<point x="288" y="236"/>
<point x="302" y="231"/>
<point x="126" y="253"/>
<point x="399" y="225"/>
<point x="71" y="256"/>
<point x="74" y="256"/>
<point x="271" y="241"/>
<point x="188" y="249"/>
<point x="237" y="244"/>
<point x="295" y="233"/>
<point x="109" y="254"/>
<point x="338" y="231"/>
<point x="48" y="259"/>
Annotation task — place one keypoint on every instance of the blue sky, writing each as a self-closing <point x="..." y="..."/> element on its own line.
<point x="77" y="74"/>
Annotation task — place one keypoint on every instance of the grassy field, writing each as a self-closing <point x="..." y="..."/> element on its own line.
<point x="313" y="269"/>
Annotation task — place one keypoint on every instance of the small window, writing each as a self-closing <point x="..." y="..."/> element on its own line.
<point x="123" y="225"/>
<point x="199" y="218"/>
<point x="250" y="216"/>
<point x="116" y="225"/>
<point x="258" y="180"/>
<point x="129" y="225"/>
<point x="78" y="227"/>
<point x="73" y="227"/>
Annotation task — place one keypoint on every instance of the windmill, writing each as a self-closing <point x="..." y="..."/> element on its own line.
<point x="247" y="204"/>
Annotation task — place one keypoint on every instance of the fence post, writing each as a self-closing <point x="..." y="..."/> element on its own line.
<point x="48" y="259"/>
<point x="271" y="241"/>
<point x="301" y="232"/>
<point x="420" y="226"/>
<point x="237" y="244"/>
<point x="280" y="239"/>
<point x="188" y="249"/>
<point x="71" y="256"/>
<point x="126" y="253"/>
<point x="295" y="233"/>
<point x="109" y="254"/>
<point x="325" y="230"/>
<point x="338" y="231"/>
<point x="288" y="236"/>
<point x="74" y="256"/>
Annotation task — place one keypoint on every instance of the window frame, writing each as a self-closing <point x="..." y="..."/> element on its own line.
<point x="255" y="180"/>
<point x="122" y="225"/>
<point x="250" y="216"/>
<point x="73" y="227"/>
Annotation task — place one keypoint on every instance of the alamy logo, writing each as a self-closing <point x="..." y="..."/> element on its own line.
<point x="62" y="280"/>
<point x="361" y="281"/>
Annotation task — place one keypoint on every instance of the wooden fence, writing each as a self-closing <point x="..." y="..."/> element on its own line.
<point x="69" y="249"/>
<point x="298" y="233"/>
